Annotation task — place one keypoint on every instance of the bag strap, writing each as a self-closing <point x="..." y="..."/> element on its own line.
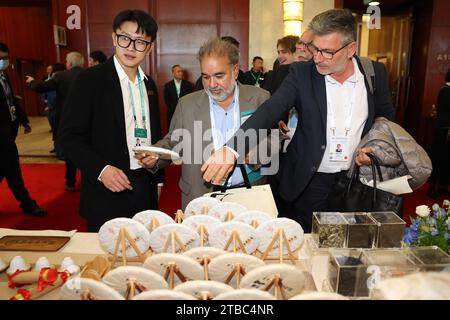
<point x="369" y="72"/>
<point x="244" y="175"/>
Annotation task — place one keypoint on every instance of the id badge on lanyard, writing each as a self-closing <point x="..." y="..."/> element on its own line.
<point x="340" y="144"/>
<point x="339" y="148"/>
<point x="140" y="134"/>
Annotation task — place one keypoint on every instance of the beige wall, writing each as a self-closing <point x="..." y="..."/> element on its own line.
<point x="266" y="26"/>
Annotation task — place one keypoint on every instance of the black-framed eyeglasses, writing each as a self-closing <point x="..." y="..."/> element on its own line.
<point x="138" y="44"/>
<point x="326" y="54"/>
<point x="302" y="44"/>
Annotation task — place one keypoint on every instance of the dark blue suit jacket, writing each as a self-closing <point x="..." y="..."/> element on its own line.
<point x="305" y="89"/>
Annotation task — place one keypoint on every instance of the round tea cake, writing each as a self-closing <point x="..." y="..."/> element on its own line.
<point x="202" y="288"/>
<point x="163" y="294"/>
<point x="221" y="210"/>
<point x="221" y="234"/>
<point x="161" y="239"/>
<point x="148" y="216"/>
<point x="269" y="229"/>
<point x="110" y="232"/>
<point x="293" y="280"/>
<point x="74" y="289"/>
<point x="251" y="216"/>
<point x="198" y="205"/>
<point x="119" y="277"/>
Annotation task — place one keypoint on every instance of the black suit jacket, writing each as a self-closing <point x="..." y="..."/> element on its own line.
<point x="93" y="135"/>
<point x="171" y="97"/>
<point x="8" y="129"/>
<point x="61" y="83"/>
<point x="274" y="78"/>
<point x="305" y="89"/>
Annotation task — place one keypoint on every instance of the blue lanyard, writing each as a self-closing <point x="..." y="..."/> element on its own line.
<point x="142" y="102"/>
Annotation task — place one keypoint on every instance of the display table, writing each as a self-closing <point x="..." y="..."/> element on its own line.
<point x="84" y="247"/>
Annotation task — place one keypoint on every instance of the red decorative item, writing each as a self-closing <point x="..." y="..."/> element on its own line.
<point x="22" y="294"/>
<point x="47" y="277"/>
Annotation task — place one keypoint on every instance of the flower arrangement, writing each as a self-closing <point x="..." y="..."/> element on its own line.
<point x="430" y="228"/>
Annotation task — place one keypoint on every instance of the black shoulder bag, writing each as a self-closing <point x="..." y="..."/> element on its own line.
<point x="351" y="195"/>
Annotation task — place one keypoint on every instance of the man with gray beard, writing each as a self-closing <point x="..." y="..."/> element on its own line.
<point x="212" y="116"/>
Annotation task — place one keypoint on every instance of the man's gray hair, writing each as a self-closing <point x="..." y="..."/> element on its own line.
<point x="75" y="58"/>
<point x="335" y="20"/>
<point x="219" y="48"/>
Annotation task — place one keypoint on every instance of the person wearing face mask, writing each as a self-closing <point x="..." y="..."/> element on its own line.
<point x="110" y="109"/>
<point x="11" y="116"/>
<point x="337" y="103"/>
<point x="220" y="109"/>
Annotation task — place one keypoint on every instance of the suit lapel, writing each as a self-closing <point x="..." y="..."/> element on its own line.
<point x="370" y="100"/>
<point x="116" y="99"/>
<point x="320" y="92"/>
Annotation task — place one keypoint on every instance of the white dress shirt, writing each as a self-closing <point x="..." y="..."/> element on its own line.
<point x="177" y="86"/>
<point x="128" y="110"/>
<point x="339" y="103"/>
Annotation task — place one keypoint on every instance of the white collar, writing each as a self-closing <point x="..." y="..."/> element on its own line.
<point x="354" y="78"/>
<point x="121" y="73"/>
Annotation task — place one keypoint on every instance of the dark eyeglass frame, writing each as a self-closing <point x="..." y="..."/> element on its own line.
<point x="131" y="41"/>
<point x="302" y="44"/>
<point x="314" y="50"/>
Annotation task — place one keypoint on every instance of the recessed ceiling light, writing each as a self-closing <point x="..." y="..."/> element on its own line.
<point x="374" y="3"/>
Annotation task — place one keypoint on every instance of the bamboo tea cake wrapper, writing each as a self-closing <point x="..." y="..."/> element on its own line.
<point x="198" y="205"/>
<point x="245" y="294"/>
<point x="416" y="286"/>
<point x="293" y="280"/>
<point x="253" y="215"/>
<point x="109" y="233"/>
<point x="221" y="234"/>
<point x="148" y="216"/>
<point x="221" y="266"/>
<point x="201" y="252"/>
<point x="162" y="236"/>
<point x="74" y="288"/>
<point x="221" y="210"/>
<point x="198" y="288"/>
<point x="194" y="222"/>
<point x="160" y="263"/>
<point x="322" y="295"/>
<point x="163" y="294"/>
<point x="293" y="231"/>
<point x="119" y="277"/>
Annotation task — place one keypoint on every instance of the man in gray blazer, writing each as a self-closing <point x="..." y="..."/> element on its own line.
<point x="222" y="106"/>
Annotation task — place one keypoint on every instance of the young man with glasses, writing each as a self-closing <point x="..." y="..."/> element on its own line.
<point x="335" y="106"/>
<point x="112" y="107"/>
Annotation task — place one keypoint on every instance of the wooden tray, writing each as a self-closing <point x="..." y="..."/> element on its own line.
<point x="32" y="243"/>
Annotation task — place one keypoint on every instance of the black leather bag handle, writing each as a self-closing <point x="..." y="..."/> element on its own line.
<point x="224" y="188"/>
<point x="375" y="169"/>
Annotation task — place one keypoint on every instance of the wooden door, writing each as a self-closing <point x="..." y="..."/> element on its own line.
<point x="31" y="100"/>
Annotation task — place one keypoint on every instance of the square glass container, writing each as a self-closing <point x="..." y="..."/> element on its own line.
<point x="430" y="258"/>
<point x="361" y="230"/>
<point x="390" y="229"/>
<point x="347" y="272"/>
<point x="329" y="229"/>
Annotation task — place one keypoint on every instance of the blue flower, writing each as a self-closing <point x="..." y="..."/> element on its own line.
<point x="431" y="221"/>
<point x="434" y="232"/>
<point x="447" y="236"/>
<point x="410" y="236"/>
